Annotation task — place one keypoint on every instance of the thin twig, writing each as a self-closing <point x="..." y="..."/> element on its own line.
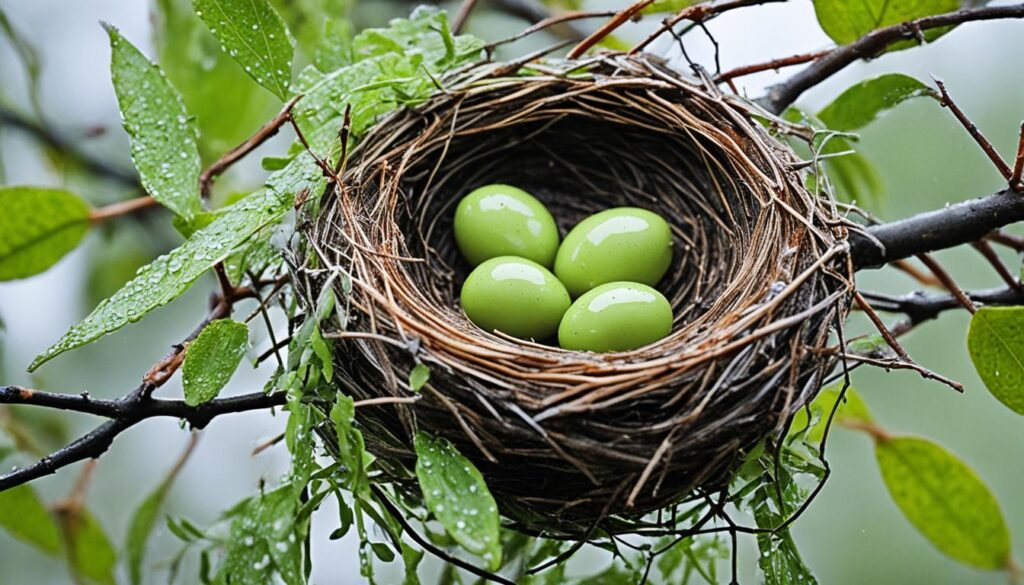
<point x="121" y="208"/>
<point x="947" y="281"/>
<point x="397" y="514"/>
<point x="887" y="335"/>
<point x="972" y="129"/>
<point x="266" y="132"/>
<point x="462" y="15"/>
<point x="697" y="13"/>
<point x="608" y="28"/>
<point x="916" y="273"/>
<point x="990" y="254"/>
<point x="773" y="65"/>
<point x="1018" y="164"/>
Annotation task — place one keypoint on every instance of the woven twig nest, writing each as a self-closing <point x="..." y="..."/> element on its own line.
<point x="568" y="439"/>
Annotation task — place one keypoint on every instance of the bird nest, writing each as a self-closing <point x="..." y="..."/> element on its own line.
<point x="569" y="439"/>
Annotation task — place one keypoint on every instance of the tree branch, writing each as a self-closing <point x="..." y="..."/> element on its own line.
<point x="124" y="413"/>
<point x="57" y="142"/>
<point x="920" y="307"/>
<point x="950" y="226"/>
<point x="782" y="95"/>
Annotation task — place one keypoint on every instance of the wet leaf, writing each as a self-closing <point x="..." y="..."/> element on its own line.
<point x="456" y="494"/>
<point x="26" y="518"/>
<point x="351" y="448"/>
<point x="170" y="275"/>
<point x="227" y="106"/>
<point x="847" y="21"/>
<point x="864" y="102"/>
<point x="254" y="35"/>
<point x="264" y="540"/>
<point x="163" y="135"/>
<point x="38" y="226"/>
<point x="212" y="358"/>
<point x="945" y="500"/>
<point x="995" y="342"/>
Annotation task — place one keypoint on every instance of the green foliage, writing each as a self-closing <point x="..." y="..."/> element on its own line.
<point x="264" y="540"/>
<point x="212" y="358"/>
<point x="945" y="500"/>
<point x="322" y="29"/>
<point x="772" y="497"/>
<point x="351" y="448"/>
<point x="254" y="35"/>
<point x="847" y="21"/>
<point x="227" y="106"/>
<point x="91" y="556"/>
<point x="163" y="136"/>
<point x="392" y="66"/>
<point x="811" y="426"/>
<point x="38" y="227"/>
<point x="668" y="6"/>
<point x="169" y="276"/>
<point x="23" y="516"/>
<point x="456" y="494"/>
<point x="418" y="377"/>
<point x="864" y="102"/>
<point x="995" y="342"/>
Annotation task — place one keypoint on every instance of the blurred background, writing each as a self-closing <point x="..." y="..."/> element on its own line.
<point x="852" y="534"/>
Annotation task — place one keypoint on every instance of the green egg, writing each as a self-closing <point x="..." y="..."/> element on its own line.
<point x="515" y="296"/>
<point x="501" y="220"/>
<point x="617" y="316"/>
<point x="621" y="244"/>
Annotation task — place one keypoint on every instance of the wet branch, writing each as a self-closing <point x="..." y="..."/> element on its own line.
<point x="870" y="45"/>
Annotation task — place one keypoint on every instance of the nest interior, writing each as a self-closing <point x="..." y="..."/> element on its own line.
<point x="569" y="439"/>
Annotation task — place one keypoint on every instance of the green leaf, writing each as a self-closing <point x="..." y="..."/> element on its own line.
<point x="253" y="34"/>
<point x="163" y="135"/>
<point x="212" y="358"/>
<point x="351" y="447"/>
<point x="90" y="554"/>
<point x="995" y="342"/>
<point x="847" y="21"/>
<point x="945" y="500"/>
<point x="393" y="66"/>
<point x="264" y="539"/>
<point x="25" y="518"/>
<point x="217" y="91"/>
<point x="455" y="492"/>
<point x="853" y="408"/>
<point x="418" y="377"/>
<point x="322" y="29"/>
<point x="38" y="226"/>
<point x="862" y="103"/>
<point x="411" y="557"/>
<point x="668" y="6"/>
<point x="169" y="276"/>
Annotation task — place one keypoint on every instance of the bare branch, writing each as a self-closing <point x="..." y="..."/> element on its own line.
<point x="947" y="227"/>
<point x="873" y="43"/>
<point x="124" y="413"/>
<point x="920" y="306"/>
<point x="697" y="13"/>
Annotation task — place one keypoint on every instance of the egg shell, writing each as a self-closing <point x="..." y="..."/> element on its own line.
<point x="624" y="244"/>
<point x="616" y="316"/>
<point x="515" y="296"/>
<point x="502" y="220"/>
